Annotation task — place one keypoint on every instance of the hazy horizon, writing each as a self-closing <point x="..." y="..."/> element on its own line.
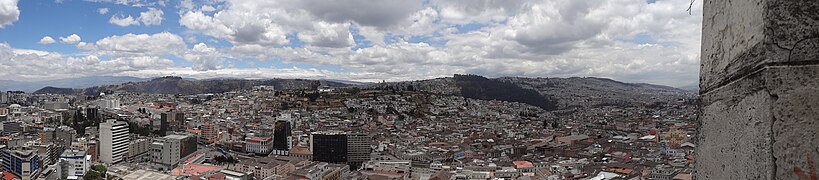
<point x="655" y="42"/>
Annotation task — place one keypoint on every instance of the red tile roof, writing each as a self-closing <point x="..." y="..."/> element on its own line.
<point x="9" y="176"/>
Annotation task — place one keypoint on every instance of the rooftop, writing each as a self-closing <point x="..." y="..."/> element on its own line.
<point x="148" y="175"/>
<point x="72" y="154"/>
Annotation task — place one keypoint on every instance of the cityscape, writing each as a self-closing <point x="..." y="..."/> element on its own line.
<point x="325" y="130"/>
<point x="409" y="89"/>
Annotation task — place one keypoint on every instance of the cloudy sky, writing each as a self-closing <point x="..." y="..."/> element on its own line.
<point x="362" y="40"/>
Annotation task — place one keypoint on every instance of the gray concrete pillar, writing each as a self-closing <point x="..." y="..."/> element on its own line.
<point x="759" y="82"/>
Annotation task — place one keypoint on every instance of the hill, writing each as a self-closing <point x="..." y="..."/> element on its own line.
<point x="550" y="93"/>
<point x="477" y="87"/>
<point x="74" y="83"/>
<point x="54" y="90"/>
<point x="591" y="91"/>
<point x="178" y="85"/>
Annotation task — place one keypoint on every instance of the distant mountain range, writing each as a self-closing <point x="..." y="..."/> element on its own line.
<point x="546" y="93"/>
<point x="178" y="85"/>
<point x="93" y="81"/>
<point x="82" y="82"/>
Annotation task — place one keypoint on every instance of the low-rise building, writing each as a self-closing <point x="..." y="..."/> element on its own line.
<point x="138" y="151"/>
<point x="21" y="163"/>
<point x="74" y="163"/>
<point x="264" y="167"/>
<point x="258" y="145"/>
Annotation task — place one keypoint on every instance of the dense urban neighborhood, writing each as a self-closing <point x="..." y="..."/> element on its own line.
<point x="431" y="129"/>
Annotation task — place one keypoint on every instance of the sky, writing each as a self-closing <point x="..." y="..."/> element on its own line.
<point x="649" y="41"/>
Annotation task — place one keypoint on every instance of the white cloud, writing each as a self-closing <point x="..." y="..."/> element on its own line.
<point x="42" y="65"/>
<point x="236" y="27"/>
<point x="140" y="45"/>
<point x="204" y="58"/>
<point x="151" y="17"/>
<point x="328" y="35"/>
<point x="85" y="46"/>
<point x="383" y="13"/>
<point x="102" y="10"/>
<point x="261" y="73"/>
<point x="628" y="40"/>
<point x="208" y="8"/>
<point x="123" y="20"/>
<point x="46" y="40"/>
<point x="134" y="3"/>
<point x="9" y="12"/>
<point x="72" y="39"/>
<point x="478" y="11"/>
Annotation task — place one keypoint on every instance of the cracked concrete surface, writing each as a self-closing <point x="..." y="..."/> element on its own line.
<point x="759" y="82"/>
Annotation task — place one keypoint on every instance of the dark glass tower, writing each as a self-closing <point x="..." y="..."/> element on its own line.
<point x="281" y="137"/>
<point x="330" y="147"/>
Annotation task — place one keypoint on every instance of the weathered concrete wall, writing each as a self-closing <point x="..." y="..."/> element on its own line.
<point x="759" y="84"/>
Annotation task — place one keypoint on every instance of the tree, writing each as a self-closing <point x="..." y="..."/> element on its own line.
<point x="313" y="96"/>
<point x="355" y="90"/>
<point x="92" y="175"/>
<point x="100" y="168"/>
<point x="67" y="120"/>
<point x="223" y="159"/>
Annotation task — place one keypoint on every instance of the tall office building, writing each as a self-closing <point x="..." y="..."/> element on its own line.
<point x="168" y="150"/>
<point x="4" y="98"/>
<point x="113" y="141"/>
<point x="210" y="133"/>
<point x="329" y="146"/>
<point x="11" y="127"/>
<point x="109" y="103"/>
<point x="358" y="149"/>
<point x="160" y="125"/>
<point x="93" y="114"/>
<point x="175" y="120"/>
<point x="164" y="153"/>
<point x="187" y="145"/>
<point x="282" y="138"/>
<point x="138" y="150"/>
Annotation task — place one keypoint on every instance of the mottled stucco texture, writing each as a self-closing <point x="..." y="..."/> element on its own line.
<point x="759" y="82"/>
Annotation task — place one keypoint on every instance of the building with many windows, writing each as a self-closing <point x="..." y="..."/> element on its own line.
<point x="282" y="138"/>
<point x="329" y="146"/>
<point x="73" y="164"/>
<point x="258" y="145"/>
<point x="358" y="149"/>
<point x="168" y="150"/>
<point x="113" y="141"/>
<point x="138" y="150"/>
<point x="22" y="163"/>
<point x="210" y="133"/>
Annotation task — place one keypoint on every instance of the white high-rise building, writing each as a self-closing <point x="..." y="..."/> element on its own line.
<point x="113" y="140"/>
<point x="109" y="103"/>
<point x="4" y="98"/>
<point x="166" y="151"/>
